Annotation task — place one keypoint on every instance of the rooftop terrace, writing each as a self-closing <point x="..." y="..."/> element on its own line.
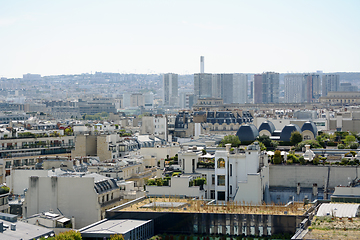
<point x="174" y="204"/>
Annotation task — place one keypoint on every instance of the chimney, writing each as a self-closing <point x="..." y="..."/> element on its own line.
<point x="315" y="189"/>
<point x="298" y="189"/>
<point x="73" y="222"/>
<point x="307" y="148"/>
<point x="13" y="227"/>
<point x="228" y="146"/>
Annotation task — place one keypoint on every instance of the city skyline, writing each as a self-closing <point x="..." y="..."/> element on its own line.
<point x="53" y="38"/>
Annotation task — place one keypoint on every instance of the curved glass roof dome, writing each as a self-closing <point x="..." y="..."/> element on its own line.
<point x="287" y="130"/>
<point x="309" y="126"/>
<point x="267" y="125"/>
<point x="247" y="132"/>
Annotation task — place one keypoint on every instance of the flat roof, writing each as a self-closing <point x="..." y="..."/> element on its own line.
<point x="207" y="206"/>
<point x="116" y="226"/>
<point x="23" y="231"/>
<point x="164" y="205"/>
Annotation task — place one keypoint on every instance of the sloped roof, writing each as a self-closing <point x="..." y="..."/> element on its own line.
<point x="338" y="209"/>
<point x="247" y="132"/>
<point x="267" y="125"/>
<point x="309" y="126"/>
<point x="287" y="130"/>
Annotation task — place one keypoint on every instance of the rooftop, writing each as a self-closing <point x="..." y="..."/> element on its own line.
<point x="329" y="227"/>
<point x="175" y="204"/>
<point x="113" y="226"/>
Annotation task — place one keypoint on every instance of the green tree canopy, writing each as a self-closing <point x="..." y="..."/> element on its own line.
<point x="234" y="140"/>
<point x="69" y="235"/>
<point x="349" y="139"/>
<point x="295" y="138"/>
<point x="277" y="157"/>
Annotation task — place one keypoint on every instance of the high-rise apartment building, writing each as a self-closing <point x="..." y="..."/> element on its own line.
<point x="266" y="87"/>
<point x="186" y="100"/>
<point x="231" y="87"/>
<point x="202" y="85"/>
<point x="330" y="83"/>
<point x="293" y="88"/>
<point x="312" y="87"/>
<point x="257" y="93"/>
<point x="240" y="88"/>
<point x="170" y="89"/>
<point x="270" y="87"/>
<point x="302" y="87"/>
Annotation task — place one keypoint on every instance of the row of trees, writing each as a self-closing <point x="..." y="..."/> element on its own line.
<point x="73" y="235"/>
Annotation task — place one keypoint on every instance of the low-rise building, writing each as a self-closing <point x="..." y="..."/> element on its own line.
<point x="84" y="197"/>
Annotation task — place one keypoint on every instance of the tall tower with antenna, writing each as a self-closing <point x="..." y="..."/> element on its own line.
<point x="201" y="64"/>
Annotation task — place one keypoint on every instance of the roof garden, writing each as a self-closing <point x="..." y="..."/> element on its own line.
<point x="330" y="227"/>
<point x="176" y="204"/>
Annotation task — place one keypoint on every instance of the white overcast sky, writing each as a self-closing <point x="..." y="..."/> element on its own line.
<point x="150" y="36"/>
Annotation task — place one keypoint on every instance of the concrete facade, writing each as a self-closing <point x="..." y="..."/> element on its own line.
<point x="308" y="175"/>
<point x="71" y="197"/>
<point x="179" y="186"/>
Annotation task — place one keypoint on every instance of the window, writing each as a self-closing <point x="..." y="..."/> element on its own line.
<point x="221" y="196"/>
<point x="230" y="189"/>
<point x="212" y="194"/>
<point x="221" y="163"/>
<point x="213" y="179"/>
<point x="203" y="176"/>
<point x="230" y="170"/>
<point x="221" y="180"/>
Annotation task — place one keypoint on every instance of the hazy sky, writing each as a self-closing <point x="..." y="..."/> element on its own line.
<point x="149" y="36"/>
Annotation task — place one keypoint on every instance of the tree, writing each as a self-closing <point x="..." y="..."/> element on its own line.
<point x="277" y="157"/>
<point x="203" y="152"/>
<point x="295" y="138"/>
<point x="340" y="146"/>
<point x="316" y="160"/>
<point x="116" y="237"/>
<point x="69" y="235"/>
<point x="234" y="140"/>
<point x="349" y="139"/>
<point x="354" y="145"/>
<point x="265" y="140"/>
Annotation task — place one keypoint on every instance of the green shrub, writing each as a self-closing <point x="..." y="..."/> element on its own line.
<point x="293" y="158"/>
<point x="316" y="160"/>
<point x="344" y="161"/>
<point x="330" y="144"/>
<point x="354" y="145"/>
<point x="341" y="146"/>
<point x="277" y="157"/>
<point x="4" y="189"/>
<point x="302" y="160"/>
<point x="312" y="143"/>
<point x="351" y="162"/>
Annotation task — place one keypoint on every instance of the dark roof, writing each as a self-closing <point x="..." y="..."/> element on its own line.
<point x="247" y="132"/>
<point x="267" y="125"/>
<point x="309" y="126"/>
<point x="287" y="130"/>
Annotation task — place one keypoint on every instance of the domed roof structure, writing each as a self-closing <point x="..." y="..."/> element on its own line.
<point x="287" y="130"/>
<point x="310" y="126"/>
<point x="267" y="125"/>
<point x="247" y="132"/>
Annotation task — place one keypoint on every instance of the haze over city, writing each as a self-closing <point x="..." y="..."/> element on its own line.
<point x="73" y="37"/>
<point x="164" y="119"/>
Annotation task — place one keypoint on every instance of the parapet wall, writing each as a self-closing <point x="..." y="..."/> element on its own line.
<point x="290" y="176"/>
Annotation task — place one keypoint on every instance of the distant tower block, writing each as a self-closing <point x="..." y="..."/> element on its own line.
<point x="201" y="64"/>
